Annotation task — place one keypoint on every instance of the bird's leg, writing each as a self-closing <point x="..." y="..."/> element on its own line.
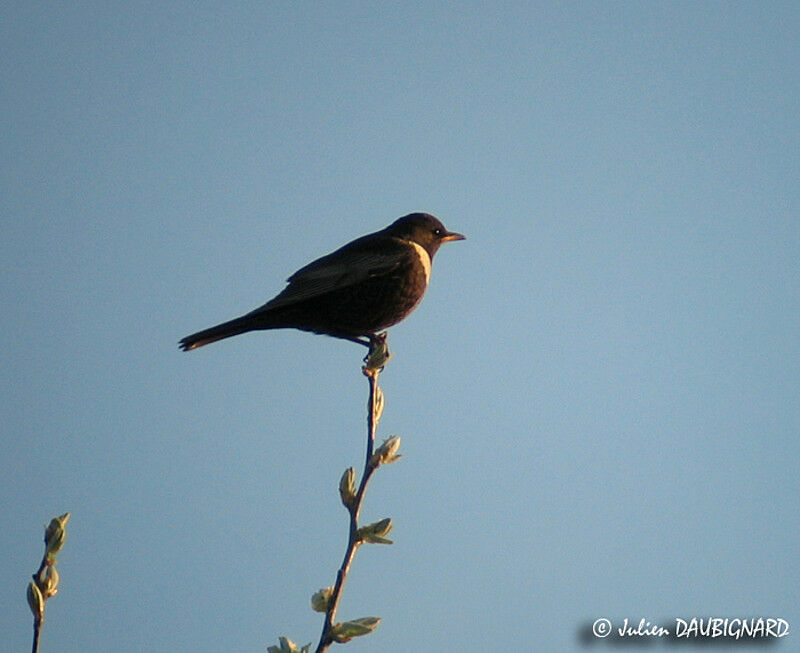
<point x="346" y="336"/>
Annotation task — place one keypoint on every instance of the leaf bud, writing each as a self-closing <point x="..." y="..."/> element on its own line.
<point x="321" y="599"/>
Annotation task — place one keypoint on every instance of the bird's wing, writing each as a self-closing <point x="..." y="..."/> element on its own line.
<point x="349" y="265"/>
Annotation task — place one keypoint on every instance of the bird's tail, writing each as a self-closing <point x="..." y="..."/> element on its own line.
<point x="219" y="332"/>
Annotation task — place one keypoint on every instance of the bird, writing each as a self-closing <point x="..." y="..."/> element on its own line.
<point x="362" y="288"/>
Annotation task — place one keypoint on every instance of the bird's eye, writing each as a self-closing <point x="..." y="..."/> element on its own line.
<point x="437" y="232"/>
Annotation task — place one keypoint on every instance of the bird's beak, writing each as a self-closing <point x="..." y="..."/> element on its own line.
<point x="451" y="235"/>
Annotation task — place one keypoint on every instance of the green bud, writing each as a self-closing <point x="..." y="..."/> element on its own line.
<point x="55" y="534"/>
<point x="49" y="582"/>
<point x="35" y="601"/>
<point x="374" y="533"/>
<point x="379" y="404"/>
<point x="347" y="487"/>
<point x="321" y="599"/>
<point x="346" y="630"/>
<point x="387" y="452"/>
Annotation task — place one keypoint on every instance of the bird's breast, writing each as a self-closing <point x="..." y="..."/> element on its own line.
<point x="424" y="259"/>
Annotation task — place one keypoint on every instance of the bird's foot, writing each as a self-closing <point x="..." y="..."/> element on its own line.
<point x="378" y="354"/>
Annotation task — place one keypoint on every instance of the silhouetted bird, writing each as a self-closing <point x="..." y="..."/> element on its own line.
<point x="356" y="291"/>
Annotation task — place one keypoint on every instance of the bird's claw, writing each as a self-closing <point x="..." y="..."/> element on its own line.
<point x="378" y="354"/>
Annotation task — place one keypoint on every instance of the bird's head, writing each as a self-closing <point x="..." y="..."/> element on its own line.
<point x="423" y="229"/>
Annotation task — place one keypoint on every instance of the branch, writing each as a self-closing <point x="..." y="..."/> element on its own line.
<point x="327" y="600"/>
<point x="386" y="453"/>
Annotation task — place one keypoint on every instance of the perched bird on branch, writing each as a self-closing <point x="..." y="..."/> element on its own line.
<point x="353" y="293"/>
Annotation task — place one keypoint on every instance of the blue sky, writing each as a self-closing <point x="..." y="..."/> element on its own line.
<point x="598" y="398"/>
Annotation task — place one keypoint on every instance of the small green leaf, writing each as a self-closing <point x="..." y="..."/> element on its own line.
<point x="374" y="533"/>
<point x="288" y="646"/>
<point x="387" y="452"/>
<point x="346" y="630"/>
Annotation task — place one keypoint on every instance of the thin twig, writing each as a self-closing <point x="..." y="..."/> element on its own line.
<point x="326" y="639"/>
<point x="38" y="620"/>
<point x="45" y="581"/>
<point x="37" y="628"/>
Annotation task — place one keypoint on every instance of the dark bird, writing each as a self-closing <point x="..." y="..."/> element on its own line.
<point x="362" y="288"/>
